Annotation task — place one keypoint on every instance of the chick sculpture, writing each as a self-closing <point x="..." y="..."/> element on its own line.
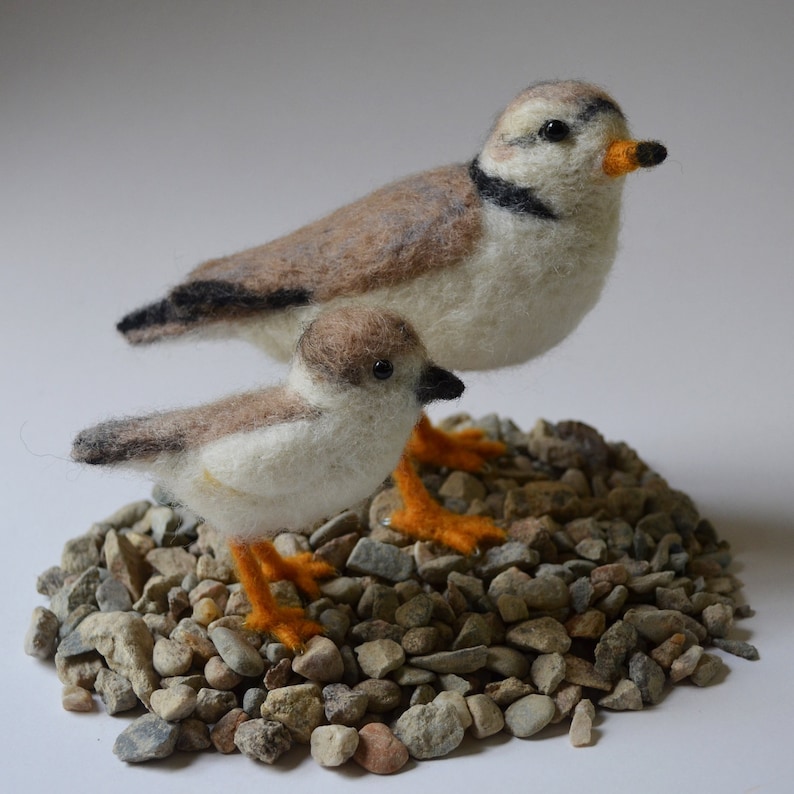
<point x="493" y="262"/>
<point x="336" y="428"/>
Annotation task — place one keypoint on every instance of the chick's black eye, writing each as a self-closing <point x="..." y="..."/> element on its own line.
<point x="554" y="130"/>
<point x="382" y="369"/>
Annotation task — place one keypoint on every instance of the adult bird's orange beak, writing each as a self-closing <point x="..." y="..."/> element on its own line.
<point x="623" y="157"/>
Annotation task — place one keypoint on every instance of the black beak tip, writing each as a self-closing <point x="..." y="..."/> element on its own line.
<point x="651" y="153"/>
<point x="438" y="384"/>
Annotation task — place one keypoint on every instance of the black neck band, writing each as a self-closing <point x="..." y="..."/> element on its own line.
<point x="511" y="197"/>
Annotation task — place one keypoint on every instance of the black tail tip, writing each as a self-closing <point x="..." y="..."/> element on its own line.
<point x="150" y="316"/>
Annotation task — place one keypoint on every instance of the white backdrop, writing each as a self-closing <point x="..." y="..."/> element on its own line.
<point x="138" y="139"/>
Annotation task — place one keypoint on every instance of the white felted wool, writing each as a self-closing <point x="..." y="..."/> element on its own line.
<point x="283" y="458"/>
<point x="493" y="262"/>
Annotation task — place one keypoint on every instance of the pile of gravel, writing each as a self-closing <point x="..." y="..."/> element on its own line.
<point x="609" y="589"/>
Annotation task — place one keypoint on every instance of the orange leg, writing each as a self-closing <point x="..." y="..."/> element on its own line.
<point x="425" y="519"/>
<point x="287" y="624"/>
<point x="465" y="450"/>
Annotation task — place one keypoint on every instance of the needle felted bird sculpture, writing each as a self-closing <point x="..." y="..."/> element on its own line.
<point x="257" y="463"/>
<point x="493" y="261"/>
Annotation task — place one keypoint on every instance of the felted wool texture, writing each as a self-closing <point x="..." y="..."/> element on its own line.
<point x="332" y="438"/>
<point x="485" y="282"/>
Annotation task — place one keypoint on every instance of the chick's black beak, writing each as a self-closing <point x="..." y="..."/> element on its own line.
<point x="438" y="384"/>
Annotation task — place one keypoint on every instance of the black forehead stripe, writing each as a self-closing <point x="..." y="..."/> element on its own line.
<point x="596" y="106"/>
<point x="512" y="197"/>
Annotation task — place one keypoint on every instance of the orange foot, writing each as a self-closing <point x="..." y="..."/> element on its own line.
<point x="301" y="569"/>
<point x="466" y="450"/>
<point x="423" y="518"/>
<point x="287" y="624"/>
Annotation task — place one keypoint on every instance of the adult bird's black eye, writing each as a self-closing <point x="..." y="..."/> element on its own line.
<point x="554" y="130"/>
<point x="382" y="369"/>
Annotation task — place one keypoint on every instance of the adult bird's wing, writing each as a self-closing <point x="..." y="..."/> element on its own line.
<point x="423" y="222"/>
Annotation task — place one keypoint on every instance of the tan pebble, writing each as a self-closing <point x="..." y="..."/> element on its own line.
<point x="175" y="703"/>
<point x="171" y="658"/>
<point x="580" y="734"/>
<point x="75" y="698"/>
<point x="333" y="745"/>
<point x="665" y="654"/>
<point x="219" y="675"/>
<point x="379" y="750"/>
<point x="205" y="610"/>
<point x="486" y="717"/>
<point x="459" y="703"/>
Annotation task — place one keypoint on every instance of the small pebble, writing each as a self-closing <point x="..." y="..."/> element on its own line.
<point x="194" y="736"/>
<point x="342" y="705"/>
<point x="263" y="740"/>
<point x="223" y="732"/>
<point x="626" y="696"/>
<point x="548" y="672"/>
<point x="237" y="652"/>
<point x="299" y="707"/>
<point x="580" y="734"/>
<point x="75" y="698"/>
<point x="175" y="703"/>
<point x="486" y="717"/>
<point x="379" y="657"/>
<point x="529" y="715"/>
<point x="115" y="691"/>
<point x="42" y="635"/>
<point x="148" y="738"/>
<point x="379" y="750"/>
<point x="429" y="731"/>
<point x="320" y="661"/>
<point x="333" y="745"/>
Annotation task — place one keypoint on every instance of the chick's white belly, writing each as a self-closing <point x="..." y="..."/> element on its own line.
<point x="256" y="484"/>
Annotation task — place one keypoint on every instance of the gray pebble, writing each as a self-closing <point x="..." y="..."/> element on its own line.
<point x="738" y="648"/>
<point x="507" y="662"/>
<point x="542" y="635"/>
<point x="614" y="646"/>
<point x="458" y="702"/>
<point x="383" y="695"/>
<point x="545" y="593"/>
<point x="379" y="657"/>
<point x="406" y="675"/>
<point x="253" y="699"/>
<point x="194" y="736"/>
<point x="708" y="668"/>
<point x="115" y="691"/>
<point x="212" y="704"/>
<point x="113" y="596"/>
<point x="415" y="613"/>
<point x="626" y="696"/>
<point x="81" y="591"/>
<point x="380" y="559"/>
<point x="529" y="715"/>
<point x="237" y="652"/>
<point x="718" y="619"/>
<point x="648" y="676"/>
<point x="476" y="630"/>
<point x="466" y="660"/>
<point x="436" y="570"/>
<point x="148" y="738"/>
<point x="263" y="740"/>
<point x="429" y="731"/>
<point x="511" y="554"/>
<point x="336" y="527"/>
